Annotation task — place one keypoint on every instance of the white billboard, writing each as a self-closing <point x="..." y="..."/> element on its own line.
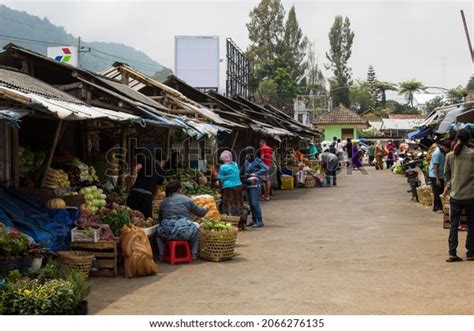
<point x="197" y="60"/>
<point x="64" y="54"/>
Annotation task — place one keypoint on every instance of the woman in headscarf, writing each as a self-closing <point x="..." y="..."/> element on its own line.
<point x="355" y="157"/>
<point x="253" y="170"/>
<point x="231" y="186"/>
<point x="378" y="155"/>
<point x="391" y="147"/>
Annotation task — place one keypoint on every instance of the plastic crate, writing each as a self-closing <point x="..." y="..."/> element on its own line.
<point x="287" y="183"/>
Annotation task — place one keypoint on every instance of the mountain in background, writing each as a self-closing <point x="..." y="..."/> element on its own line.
<point x="37" y="34"/>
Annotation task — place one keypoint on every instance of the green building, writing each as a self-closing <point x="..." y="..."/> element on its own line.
<point x="341" y="123"/>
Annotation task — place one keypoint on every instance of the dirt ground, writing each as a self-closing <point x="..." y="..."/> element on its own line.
<point x="360" y="248"/>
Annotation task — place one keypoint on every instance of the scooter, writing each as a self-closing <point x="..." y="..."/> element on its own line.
<point x="415" y="175"/>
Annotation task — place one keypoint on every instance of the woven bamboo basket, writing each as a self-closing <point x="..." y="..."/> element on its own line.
<point x="424" y="197"/>
<point x="219" y="245"/>
<point x="78" y="260"/>
<point x="234" y="220"/>
<point x="310" y="182"/>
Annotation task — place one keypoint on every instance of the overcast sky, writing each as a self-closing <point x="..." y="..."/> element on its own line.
<point x="401" y="39"/>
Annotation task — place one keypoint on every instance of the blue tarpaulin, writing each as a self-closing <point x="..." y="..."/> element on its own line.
<point x="419" y="133"/>
<point x="52" y="226"/>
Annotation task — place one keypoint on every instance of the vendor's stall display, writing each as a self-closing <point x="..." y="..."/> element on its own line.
<point x="424" y="195"/>
<point x="207" y="201"/>
<point x="74" y="199"/>
<point x="217" y="241"/>
<point x="95" y="197"/>
<point x="116" y="218"/>
<point x="77" y="260"/>
<point x="310" y="182"/>
<point x="398" y="169"/>
<point x="80" y="172"/>
<point x="137" y="253"/>
<point x="57" y="179"/>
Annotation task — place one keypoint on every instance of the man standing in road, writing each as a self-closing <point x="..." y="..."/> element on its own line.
<point x="459" y="176"/>
<point x="436" y="173"/>
<point x="330" y="163"/>
<point x="266" y="154"/>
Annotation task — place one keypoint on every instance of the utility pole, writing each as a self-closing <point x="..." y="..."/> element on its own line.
<point x="80" y="50"/>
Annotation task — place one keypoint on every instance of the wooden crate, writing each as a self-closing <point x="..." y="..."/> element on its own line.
<point x="106" y="254"/>
<point x="447" y="223"/>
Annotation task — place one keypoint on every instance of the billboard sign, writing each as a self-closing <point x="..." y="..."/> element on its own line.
<point x="197" y="61"/>
<point x="64" y="54"/>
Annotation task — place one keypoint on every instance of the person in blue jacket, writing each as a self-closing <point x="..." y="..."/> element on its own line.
<point x="253" y="170"/>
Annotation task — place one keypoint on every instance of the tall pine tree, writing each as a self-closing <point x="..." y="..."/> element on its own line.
<point x="371" y="79"/>
<point x="340" y="40"/>
<point x="294" y="47"/>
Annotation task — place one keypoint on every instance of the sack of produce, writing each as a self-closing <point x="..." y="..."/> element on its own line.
<point x="217" y="241"/>
<point x="207" y="201"/>
<point x="424" y="196"/>
<point x="137" y="253"/>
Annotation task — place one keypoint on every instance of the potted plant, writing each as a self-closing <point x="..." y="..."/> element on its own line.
<point x="37" y="252"/>
<point x="13" y="251"/>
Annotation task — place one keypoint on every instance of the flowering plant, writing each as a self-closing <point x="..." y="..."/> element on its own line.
<point x="13" y="243"/>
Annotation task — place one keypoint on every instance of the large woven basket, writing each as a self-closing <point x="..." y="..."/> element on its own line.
<point x="219" y="245"/>
<point x="77" y="260"/>
<point x="234" y="220"/>
<point x="310" y="182"/>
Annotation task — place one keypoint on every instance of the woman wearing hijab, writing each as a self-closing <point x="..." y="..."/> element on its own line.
<point x="391" y="147"/>
<point x="253" y="170"/>
<point x="231" y="186"/>
<point x="378" y="155"/>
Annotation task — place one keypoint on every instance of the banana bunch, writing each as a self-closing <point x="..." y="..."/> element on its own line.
<point x="57" y="179"/>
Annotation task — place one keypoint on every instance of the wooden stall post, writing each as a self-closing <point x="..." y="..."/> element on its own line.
<point x="57" y="135"/>
<point x="15" y="158"/>
<point x="123" y="151"/>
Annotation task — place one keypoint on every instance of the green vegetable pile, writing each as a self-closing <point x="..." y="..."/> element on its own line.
<point x="29" y="161"/>
<point x="116" y="219"/>
<point x="212" y="225"/>
<point x="398" y="170"/>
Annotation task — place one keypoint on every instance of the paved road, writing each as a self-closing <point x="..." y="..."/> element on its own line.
<point x="360" y="248"/>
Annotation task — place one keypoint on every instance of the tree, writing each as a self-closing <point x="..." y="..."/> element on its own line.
<point x="470" y="84"/>
<point x="457" y="95"/>
<point x="340" y="40"/>
<point x="267" y="91"/>
<point x="315" y="82"/>
<point x="294" y="47"/>
<point x="360" y="97"/>
<point x="409" y="88"/>
<point x="397" y="108"/>
<point x="435" y="103"/>
<point x="371" y="79"/>
<point x="265" y="31"/>
<point x="162" y="75"/>
<point x="287" y="88"/>
<point x="381" y="88"/>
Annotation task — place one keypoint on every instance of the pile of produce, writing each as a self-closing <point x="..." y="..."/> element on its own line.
<point x="56" y="179"/>
<point x="29" y="161"/>
<point x="190" y="188"/>
<point x="95" y="197"/>
<point x="117" y="216"/>
<point x="212" y="225"/>
<point x="208" y="201"/>
<point x="81" y="171"/>
<point x="398" y="169"/>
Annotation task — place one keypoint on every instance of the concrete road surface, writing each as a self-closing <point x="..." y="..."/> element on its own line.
<point x="360" y="248"/>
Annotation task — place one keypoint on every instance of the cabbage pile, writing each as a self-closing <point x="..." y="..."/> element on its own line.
<point x="95" y="197"/>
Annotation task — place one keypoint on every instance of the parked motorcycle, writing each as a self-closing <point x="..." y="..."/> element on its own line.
<point x="414" y="174"/>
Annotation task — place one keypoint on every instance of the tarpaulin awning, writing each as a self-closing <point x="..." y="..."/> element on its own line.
<point x="449" y="119"/>
<point x="67" y="110"/>
<point x="421" y="132"/>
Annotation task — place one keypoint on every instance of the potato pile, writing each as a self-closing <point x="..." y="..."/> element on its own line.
<point x="209" y="202"/>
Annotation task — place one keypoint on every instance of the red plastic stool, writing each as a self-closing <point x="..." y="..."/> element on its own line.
<point x="170" y="255"/>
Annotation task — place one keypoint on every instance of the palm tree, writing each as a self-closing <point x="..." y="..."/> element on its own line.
<point x="409" y="88"/>
<point x="381" y="88"/>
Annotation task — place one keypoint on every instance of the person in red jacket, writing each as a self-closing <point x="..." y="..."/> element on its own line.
<point x="266" y="154"/>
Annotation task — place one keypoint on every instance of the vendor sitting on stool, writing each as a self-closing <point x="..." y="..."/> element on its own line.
<point x="175" y="221"/>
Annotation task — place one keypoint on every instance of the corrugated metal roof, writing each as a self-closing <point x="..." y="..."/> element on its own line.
<point x="400" y="124"/>
<point x="16" y="80"/>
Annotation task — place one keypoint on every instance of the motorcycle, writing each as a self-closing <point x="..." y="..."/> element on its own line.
<point x="414" y="174"/>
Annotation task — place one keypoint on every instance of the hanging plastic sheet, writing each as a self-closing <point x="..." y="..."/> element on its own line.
<point x="12" y="116"/>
